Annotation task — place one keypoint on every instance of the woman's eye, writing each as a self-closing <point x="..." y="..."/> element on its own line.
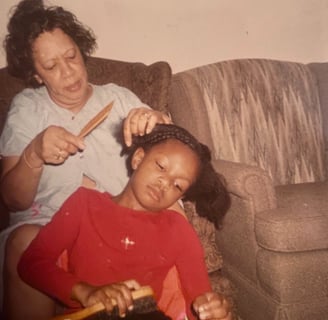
<point x="50" y="67"/>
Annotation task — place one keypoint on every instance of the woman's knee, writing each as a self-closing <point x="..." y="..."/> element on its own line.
<point x="18" y="241"/>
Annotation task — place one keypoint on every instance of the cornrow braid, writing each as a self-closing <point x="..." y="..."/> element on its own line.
<point x="208" y="191"/>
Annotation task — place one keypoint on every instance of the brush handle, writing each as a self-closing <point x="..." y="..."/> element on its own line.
<point x="87" y="312"/>
<point x="96" y="120"/>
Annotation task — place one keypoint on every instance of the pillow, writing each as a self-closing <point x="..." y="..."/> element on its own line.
<point x="206" y="233"/>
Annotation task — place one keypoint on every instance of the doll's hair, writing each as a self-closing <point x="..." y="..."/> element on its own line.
<point x="209" y="191"/>
<point x="29" y="19"/>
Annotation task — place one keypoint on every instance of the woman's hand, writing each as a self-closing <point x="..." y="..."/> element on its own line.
<point x="109" y="295"/>
<point x="212" y="306"/>
<point x="53" y="145"/>
<point x="141" y="121"/>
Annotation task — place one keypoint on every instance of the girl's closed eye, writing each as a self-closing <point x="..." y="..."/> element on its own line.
<point x="160" y="166"/>
<point x="178" y="187"/>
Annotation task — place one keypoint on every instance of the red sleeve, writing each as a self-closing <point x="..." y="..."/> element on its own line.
<point x="38" y="264"/>
<point x="190" y="262"/>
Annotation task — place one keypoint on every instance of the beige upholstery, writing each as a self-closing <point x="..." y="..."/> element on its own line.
<point x="267" y="125"/>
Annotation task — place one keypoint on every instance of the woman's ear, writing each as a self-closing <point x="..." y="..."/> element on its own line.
<point x="137" y="158"/>
<point x="38" y="78"/>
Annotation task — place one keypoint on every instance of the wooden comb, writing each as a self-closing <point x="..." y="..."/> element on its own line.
<point x="144" y="302"/>
<point x="96" y="120"/>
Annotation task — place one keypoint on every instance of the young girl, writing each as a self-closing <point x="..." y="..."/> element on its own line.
<point x="132" y="235"/>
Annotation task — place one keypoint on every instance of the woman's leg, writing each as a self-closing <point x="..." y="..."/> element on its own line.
<point x="22" y="302"/>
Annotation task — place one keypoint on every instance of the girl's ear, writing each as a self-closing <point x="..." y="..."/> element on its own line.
<point x="137" y="158"/>
<point x="38" y="78"/>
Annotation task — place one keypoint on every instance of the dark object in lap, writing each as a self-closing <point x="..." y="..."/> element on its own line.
<point x="153" y="315"/>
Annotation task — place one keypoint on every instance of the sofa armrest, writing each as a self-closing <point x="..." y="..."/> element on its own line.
<point x="248" y="183"/>
<point x="251" y="191"/>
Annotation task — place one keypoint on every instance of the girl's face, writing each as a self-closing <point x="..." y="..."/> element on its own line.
<point x="60" y="66"/>
<point x="162" y="175"/>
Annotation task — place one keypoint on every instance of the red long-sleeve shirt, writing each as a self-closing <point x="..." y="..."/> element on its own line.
<point x="108" y="243"/>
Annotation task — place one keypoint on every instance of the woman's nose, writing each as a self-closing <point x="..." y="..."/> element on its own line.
<point x="66" y="69"/>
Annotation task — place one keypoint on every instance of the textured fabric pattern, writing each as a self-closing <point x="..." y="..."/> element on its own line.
<point x="264" y="113"/>
<point x="149" y="82"/>
<point x="206" y="233"/>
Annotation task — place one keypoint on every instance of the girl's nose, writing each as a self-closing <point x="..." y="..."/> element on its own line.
<point x="164" y="183"/>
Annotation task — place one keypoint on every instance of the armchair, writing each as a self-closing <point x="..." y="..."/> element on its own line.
<point x="266" y="123"/>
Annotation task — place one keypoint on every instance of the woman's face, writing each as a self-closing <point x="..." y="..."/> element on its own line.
<point x="162" y="175"/>
<point x="60" y="66"/>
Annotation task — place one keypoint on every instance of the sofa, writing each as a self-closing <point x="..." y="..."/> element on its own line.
<point x="266" y="123"/>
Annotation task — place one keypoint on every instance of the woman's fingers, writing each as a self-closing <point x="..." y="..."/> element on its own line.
<point x="55" y="144"/>
<point x="141" y="121"/>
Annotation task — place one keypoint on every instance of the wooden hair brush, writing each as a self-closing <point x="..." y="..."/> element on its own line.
<point x="145" y="307"/>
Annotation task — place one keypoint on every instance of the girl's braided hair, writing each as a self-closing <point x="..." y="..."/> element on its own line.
<point x="209" y="193"/>
<point x="31" y="18"/>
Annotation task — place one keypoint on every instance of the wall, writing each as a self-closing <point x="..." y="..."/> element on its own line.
<point x="188" y="33"/>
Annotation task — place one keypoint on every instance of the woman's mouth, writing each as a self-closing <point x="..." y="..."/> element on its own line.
<point x="74" y="87"/>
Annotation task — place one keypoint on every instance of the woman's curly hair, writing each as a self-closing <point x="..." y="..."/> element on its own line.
<point x="208" y="192"/>
<point x="29" y="19"/>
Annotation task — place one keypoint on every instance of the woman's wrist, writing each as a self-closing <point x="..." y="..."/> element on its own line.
<point x="31" y="159"/>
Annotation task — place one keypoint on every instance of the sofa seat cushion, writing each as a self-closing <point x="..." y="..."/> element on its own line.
<point x="297" y="228"/>
<point x="300" y="277"/>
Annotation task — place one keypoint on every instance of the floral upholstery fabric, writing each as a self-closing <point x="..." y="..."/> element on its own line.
<point x="206" y="233"/>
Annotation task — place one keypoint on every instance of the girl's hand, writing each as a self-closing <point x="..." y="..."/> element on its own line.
<point x="212" y="306"/>
<point x="109" y="295"/>
<point x="141" y="121"/>
<point x="53" y="145"/>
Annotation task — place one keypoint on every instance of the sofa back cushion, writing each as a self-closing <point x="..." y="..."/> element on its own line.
<point x="149" y="82"/>
<point x="320" y="69"/>
<point x="256" y="111"/>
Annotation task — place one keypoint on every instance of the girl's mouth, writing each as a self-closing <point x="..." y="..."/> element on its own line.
<point x="154" y="193"/>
